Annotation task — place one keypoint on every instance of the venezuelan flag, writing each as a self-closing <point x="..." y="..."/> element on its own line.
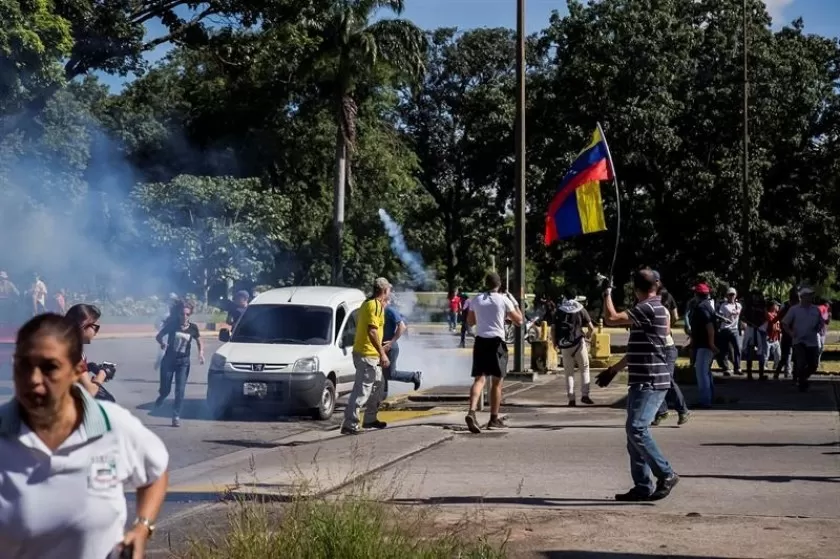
<point x="577" y="208"/>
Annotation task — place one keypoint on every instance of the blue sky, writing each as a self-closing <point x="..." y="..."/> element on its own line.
<point x="821" y="16"/>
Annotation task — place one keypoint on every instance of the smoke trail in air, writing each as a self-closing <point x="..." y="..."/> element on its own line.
<point x="411" y="260"/>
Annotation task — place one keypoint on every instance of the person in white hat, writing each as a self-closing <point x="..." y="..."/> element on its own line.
<point x="729" y="334"/>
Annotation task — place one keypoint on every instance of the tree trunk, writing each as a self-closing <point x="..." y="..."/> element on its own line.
<point x="338" y="205"/>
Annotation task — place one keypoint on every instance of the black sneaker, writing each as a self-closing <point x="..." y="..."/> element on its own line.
<point x="660" y="417"/>
<point x="683" y="418"/>
<point x="417" y="376"/>
<point x="664" y="487"/>
<point x="472" y="423"/>
<point x="350" y="431"/>
<point x="375" y="425"/>
<point x="587" y="400"/>
<point x="497" y="423"/>
<point x="572" y="403"/>
<point x="634" y="495"/>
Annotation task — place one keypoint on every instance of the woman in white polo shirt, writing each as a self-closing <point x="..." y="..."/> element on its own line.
<point x="65" y="457"/>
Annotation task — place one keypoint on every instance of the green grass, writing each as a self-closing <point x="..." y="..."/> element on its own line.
<point x="348" y="527"/>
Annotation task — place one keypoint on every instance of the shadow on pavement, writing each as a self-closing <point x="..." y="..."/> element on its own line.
<point x="575" y="554"/>
<point x="770" y="478"/>
<point x="194" y="408"/>
<point x="775" y="445"/>
<point x="739" y="394"/>
<point x="527" y="501"/>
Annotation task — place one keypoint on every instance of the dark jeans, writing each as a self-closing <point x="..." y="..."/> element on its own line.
<point x="783" y="366"/>
<point x="645" y="457"/>
<point x="179" y="371"/>
<point x="729" y="340"/>
<point x="674" y="397"/>
<point x="805" y="362"/>
<point x="464" y="328"/>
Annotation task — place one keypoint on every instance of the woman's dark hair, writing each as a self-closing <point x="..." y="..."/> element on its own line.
<point x="83" y="314"/>
<point x="63" y="328"/>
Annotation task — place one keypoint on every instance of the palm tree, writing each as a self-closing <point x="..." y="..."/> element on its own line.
<point x="352" y="50"/>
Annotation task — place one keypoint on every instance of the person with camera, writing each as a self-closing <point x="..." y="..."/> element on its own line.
<point x="87" y="318"/>
<point x="648" y="380"/>
<point x="176" y="339"/>
<point x="67" y="458"/>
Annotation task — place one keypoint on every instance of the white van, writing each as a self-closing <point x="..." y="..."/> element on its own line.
<point x="291" y="352"/>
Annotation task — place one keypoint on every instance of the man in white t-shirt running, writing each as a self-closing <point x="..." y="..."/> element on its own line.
<point x="488" y="311"/>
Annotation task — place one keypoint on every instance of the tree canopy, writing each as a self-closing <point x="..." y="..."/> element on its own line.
<point x="219" y="165"/>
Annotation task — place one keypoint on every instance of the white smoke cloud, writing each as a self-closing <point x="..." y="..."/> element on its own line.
<point x="420" y="276"/>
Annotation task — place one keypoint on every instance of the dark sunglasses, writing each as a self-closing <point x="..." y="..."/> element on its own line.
<point x="95" y="327"/>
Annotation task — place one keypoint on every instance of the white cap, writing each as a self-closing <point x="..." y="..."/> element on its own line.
<point x="731" y="291"/>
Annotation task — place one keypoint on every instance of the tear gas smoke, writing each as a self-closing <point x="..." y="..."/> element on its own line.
<point x="411" y="260"/>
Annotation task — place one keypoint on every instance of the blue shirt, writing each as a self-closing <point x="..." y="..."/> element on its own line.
<point x="392" y="319"/>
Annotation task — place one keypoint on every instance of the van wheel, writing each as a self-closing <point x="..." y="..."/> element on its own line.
<point x="217" y="401"/>
<point x="327" y="407"/>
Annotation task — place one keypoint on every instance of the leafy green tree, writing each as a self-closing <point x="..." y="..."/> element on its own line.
<point x="459" y="124"/>
<point x="33" y="38"/>
<point x="216" y="229"/>
<point x="351" y="55"/>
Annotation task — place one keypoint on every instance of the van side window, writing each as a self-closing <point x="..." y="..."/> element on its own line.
<point x="349" y="333"/>
<point x="340" y="314"/>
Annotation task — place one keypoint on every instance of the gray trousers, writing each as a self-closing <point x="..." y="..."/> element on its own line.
<point x="367" y="391"/>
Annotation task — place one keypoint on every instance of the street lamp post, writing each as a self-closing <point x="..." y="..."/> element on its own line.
<point x="519" y="248"/>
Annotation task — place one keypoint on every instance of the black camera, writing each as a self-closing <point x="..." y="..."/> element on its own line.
<point x="110" y="369"/>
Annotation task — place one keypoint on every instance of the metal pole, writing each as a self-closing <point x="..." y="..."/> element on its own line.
<point x="746" y="256"/>
<point x="519" y="248"/>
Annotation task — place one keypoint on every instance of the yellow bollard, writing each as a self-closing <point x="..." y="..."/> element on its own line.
<point x="601" y="349"/>
<point x="543" y="354"/>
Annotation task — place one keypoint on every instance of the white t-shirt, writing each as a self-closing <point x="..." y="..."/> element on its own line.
<point x="71" y="503"/>
<point x="731" y="313"/>
<point x="39" y="291"/>
<point x="490" y="311"/>
<point x="806" y="323"/>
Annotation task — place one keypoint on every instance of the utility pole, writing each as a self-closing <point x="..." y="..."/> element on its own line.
<point x="746" y="256"/>
<point x="519" y="248"/>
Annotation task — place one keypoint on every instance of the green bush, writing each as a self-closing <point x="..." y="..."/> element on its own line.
<point x="349" y="527"/>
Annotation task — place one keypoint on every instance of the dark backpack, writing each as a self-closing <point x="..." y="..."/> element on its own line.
<point x="565" y="329"/>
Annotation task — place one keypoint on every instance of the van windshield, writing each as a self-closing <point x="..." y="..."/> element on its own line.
<point x="284" y="324"/>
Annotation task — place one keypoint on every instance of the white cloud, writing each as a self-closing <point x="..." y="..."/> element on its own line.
<point x="776" y="8"/>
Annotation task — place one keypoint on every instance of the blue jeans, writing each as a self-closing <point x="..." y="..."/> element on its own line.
<point x="729" y="340"/>
<point x="174" y="370"/>
<point x="391" y="373"/>
<point x="645" y="457"/>
<point x="452" y="318"/>
<point x="703" y="358"/>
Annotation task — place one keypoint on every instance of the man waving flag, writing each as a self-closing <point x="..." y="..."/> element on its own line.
<point x="577" y="208"/>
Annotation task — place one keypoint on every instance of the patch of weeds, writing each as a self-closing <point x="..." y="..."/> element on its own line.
<point x="347" y="527"/>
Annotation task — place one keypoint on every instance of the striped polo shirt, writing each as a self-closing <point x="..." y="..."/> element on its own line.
<point x="646" y="361"/>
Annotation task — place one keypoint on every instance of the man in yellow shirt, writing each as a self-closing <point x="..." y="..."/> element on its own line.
<point x="369" y="357"/>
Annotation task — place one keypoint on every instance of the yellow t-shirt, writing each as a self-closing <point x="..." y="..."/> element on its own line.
<point x="372" y="312"/>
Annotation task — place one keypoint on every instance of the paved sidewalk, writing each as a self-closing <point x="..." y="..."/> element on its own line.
<point x="760" y="475"/>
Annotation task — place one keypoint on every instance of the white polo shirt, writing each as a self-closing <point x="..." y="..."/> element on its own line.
<point x="70" y="504"/>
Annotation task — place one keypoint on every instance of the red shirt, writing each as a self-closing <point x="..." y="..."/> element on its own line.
<point x="455" y="304"/>
<point x="774" y="327"/>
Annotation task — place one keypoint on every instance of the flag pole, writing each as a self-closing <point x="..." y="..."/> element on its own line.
<point x="617" y="202"/>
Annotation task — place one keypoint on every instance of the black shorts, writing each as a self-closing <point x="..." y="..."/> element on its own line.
<point x="490" y="357"/>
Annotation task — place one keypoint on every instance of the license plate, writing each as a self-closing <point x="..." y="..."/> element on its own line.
<point x="258" y="389"/>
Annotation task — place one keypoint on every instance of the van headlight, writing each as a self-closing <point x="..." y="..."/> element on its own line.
<point x="218" y="362"/>
<point x="306" y="365"/>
